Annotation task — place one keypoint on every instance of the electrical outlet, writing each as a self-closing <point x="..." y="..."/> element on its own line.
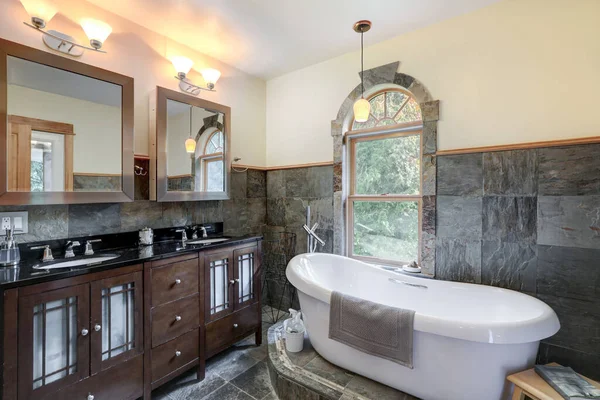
<point x="18" y="220"/>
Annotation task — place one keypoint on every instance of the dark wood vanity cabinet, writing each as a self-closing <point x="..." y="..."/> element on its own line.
<point x="120" y="333"/>
<point x="174" y="323"/>
<point x="232" y="295"/>
<point x="73" y="334"/>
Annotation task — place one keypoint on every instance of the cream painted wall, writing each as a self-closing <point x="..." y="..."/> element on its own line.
<point x="142" y="54"/>
<point x="517" y="71"/>
<point x="97" y="143"/>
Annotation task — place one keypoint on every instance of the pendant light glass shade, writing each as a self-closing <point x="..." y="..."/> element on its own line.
<point x="190" y="145"/>
<point x="362" y="110"/>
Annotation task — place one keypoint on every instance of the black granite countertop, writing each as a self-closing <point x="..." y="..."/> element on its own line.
<point x="26" y="272"/>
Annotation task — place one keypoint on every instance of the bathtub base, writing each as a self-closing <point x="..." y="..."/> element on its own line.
<point x="444" y="368"/>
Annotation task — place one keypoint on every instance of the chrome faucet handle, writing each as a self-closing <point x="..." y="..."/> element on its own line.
<point x="89" y="249"/>
<point x="183" y="234"/>
<point x="314" y="235"/>
<point x="204" y="234"/>
<point x="69" y="248"/>
<point x="47" y="252"/>
<point x="195" y="233"/>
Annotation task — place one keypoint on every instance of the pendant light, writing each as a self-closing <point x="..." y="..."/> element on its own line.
<point x="190" y="143"/>
<point x="362" y="108"/>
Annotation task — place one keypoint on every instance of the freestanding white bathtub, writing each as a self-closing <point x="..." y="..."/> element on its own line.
<point x="467" y="337"/>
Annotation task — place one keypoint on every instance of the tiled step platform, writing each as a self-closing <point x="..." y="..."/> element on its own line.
<point x="308" y="376"/>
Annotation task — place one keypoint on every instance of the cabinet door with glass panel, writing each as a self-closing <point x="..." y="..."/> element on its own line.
<point x="116" y="320"/>
<point x="53" y="340"/>
<point x="246" y="276"/>
<point x="219" y="281"/>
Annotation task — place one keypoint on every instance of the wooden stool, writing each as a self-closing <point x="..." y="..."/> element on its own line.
<point x="529" y="383"/>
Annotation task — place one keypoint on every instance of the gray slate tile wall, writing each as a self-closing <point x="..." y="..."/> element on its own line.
<point x="289" y="192"/>
<point x="245" y="213"/>
<point x="529" y="220"/>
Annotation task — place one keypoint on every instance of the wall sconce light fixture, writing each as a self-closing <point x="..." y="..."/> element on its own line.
<point x="42" y="11"/>
<point x="183" y="65"/>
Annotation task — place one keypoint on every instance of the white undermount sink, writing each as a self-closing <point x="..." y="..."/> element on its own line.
<point x="77" y="263"/>
<point x="207" y="241"/>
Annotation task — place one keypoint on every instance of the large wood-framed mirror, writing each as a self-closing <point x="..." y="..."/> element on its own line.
<point x="66" y="130"/>
<point x="199" y="171"/>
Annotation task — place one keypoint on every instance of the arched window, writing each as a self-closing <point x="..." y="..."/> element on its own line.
<point x="384" y="199"/>
<point x="211" y="162"/>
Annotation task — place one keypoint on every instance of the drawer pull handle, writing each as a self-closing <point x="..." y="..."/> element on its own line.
<point x="232" y="281"/>
<point x="97" y="327"/>
<point x="178" y="318"/>
<point x="235" y="325"/>
<point x="177" y="281"/>
<point x="237" y="280"/>
<point x="84" y="332"/>
<point x="177" y="353"/>
<point x="90" y="397"/>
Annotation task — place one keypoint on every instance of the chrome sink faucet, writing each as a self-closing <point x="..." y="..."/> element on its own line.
<point x="69" y="248"/>
<point x="195" y="232"/>
<point x="313" y="238"/>
<point x="89" y="249"/>
<point x="184" y="237"/>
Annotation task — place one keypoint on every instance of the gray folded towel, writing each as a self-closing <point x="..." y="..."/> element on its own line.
<point x="372" y="328"/>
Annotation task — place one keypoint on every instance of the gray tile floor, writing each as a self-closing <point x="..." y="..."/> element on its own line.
<point x="239" y="373"/>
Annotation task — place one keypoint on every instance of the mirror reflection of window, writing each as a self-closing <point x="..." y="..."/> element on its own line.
<point x="212" y="164"/>
<point x="47" y="162"/>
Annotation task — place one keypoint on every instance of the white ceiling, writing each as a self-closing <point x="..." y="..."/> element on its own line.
<point x="268" y="38"/>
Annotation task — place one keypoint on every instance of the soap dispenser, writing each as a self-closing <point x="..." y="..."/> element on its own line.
<point x="9" y="251"/>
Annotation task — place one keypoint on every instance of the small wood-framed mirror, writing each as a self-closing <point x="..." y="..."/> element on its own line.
<point x="66" y="130"/>
<point x="189" y="149"/>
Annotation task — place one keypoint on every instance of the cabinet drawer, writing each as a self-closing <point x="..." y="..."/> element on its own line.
<point x="123" y="381"/>
<point x="164" y="281"/>
<point x="165" y="322"/>
<point x="165" y="359"/>
<point x="223" y="332"/>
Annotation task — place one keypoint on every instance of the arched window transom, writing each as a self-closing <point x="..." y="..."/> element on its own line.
<point x="391" y="107"/>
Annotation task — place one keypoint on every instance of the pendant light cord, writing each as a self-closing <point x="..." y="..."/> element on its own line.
<point x="362" y="67"/>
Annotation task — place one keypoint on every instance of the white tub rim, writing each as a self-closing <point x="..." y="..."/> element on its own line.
<point x="531" y="330"/>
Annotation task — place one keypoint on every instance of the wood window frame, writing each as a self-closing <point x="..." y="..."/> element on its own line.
<point x="371" y="134"/>
<point x="23" y="127"/>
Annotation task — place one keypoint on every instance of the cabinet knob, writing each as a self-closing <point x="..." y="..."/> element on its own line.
<point x="178" y="318"/>
<point x="235" y="325"/>
<point x="177" y="353"/>
<point x="237" y="280"/>
<point x="97" y="327"/>
<point x="232" y="281"/>
<point x="84" y="332"/>
<point x="177" y="281"/>
<point x="90" y="397"/>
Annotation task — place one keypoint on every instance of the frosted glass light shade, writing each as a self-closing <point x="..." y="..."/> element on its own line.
<point x="211" y="76"/>
<point x="42" y="9"/>
<point x="362" y="109"/>
<point x="182" y="64"/>
<point x="97" y="31"/>
<point x="190" y="145"/>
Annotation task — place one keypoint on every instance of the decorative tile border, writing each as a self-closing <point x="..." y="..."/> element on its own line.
<point x="386" y="76"/>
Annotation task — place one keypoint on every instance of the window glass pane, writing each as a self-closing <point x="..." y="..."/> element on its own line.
<point x="388" y="166"/>
<point x="386" y="230"/>
<point x="378" y="106"/>
<point x="215" y="177"/>
<point x="410" y="113"/>
<point x="394" y="101"/>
